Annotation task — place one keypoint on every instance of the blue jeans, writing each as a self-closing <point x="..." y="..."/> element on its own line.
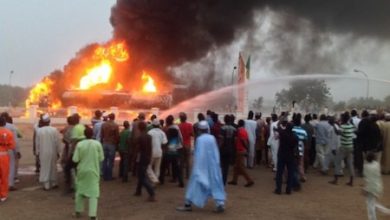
<point x="108" y="162"/>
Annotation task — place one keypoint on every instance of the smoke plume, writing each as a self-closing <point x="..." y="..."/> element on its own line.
<point x="167" y="33"/>
<point x="175" y="33"/>
<point x="170" y="36"/>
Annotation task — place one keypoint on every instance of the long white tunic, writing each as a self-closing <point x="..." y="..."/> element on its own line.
<point x="48" y="144"/>
<point x="250" y="127"/>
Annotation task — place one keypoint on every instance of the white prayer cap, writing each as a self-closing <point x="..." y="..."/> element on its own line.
<point x="203" y="125"/>
<point x="105" y="114"/>
<point x="45" y="117"/>
<point x="373" y="112"/>
<point x="387" y="116"/>
<point x="156" y="122"/>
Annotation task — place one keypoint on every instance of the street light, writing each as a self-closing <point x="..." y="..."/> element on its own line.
<point x="10" y="76"/>
<point x="234" y="70"/>
<point x="368" y="81"/>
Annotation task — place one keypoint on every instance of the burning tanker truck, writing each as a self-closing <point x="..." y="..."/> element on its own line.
<point x="107" y="98"/>
<point x="98" y="77"/>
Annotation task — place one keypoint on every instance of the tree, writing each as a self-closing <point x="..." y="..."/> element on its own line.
<point x="13" y="95"/>
<point x="307" y="94"/>
<point x="257" y="104"/>
<point x="340" y="106"/>
<point x="365" y="103"/>
<point x="386" y="103"/>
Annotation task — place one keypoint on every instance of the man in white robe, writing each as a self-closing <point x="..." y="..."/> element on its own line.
<point x="273" y="140"/>
<point x="48" y="144"/>
<point x="250" y="127"/>
<point x="206" y="177"/>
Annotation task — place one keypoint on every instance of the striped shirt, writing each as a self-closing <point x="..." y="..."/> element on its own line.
<point x="347" y="135"/>
<point x="301" y="134"/>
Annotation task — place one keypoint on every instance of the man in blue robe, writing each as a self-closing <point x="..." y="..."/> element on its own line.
<point x="206" y="178"/>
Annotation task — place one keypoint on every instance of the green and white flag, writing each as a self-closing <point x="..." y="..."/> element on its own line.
<point x="248" y="67"/>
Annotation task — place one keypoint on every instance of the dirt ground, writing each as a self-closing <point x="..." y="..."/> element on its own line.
<point x="318" y="200"/>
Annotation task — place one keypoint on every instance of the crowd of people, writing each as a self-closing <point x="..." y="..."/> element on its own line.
<point x="199" y="155"/>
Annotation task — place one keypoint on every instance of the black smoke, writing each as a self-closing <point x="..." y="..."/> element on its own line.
<point x="358" y="17"/>
<point x="164" y="34"/>
<point x="167" y="33"/>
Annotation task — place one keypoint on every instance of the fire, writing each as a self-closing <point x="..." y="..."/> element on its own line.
<point x="40" y="91"/>
<point x="101" y="74"/>
<point x="119" y="87"/>
<point x="149" y="86"/>
<point x="97" y="75"/>
<point x="99" y="69"/>
<point x="56" y="105"/>
<point x="116" y="51"/>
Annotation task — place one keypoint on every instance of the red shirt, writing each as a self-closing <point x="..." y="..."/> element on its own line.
<point x="242" y="135"/>
<point x="186" y="132"/>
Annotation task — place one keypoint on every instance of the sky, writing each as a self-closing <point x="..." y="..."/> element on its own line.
<point x="39" y="36"/>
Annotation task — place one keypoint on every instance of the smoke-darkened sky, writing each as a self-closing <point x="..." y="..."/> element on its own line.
<point x="283" y="36"/>
<point x="42" y="35"/>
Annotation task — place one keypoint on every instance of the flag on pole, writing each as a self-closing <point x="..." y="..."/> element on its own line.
<point x="241" y="94"/>
<point x="248" y="67"/>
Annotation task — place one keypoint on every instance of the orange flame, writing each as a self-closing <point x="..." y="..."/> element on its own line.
<point x="101" y="74"/>
<point x="115" y="51"/>
<point x="56" y="105"/>
<point x="119" y="87"/>
<point x="41" y="90"/>
<point x="97" y="75"/>
<point x="149" y="86"/>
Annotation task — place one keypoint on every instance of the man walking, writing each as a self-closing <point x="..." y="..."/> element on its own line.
<point x="144" y="155"/>
<point x="7" y="143"/>
<point x="301" y="134"/>
<point x="206" y="177"/>
<point x="322" y="141"/>
<point x="369" y="136"/>
<point x="250" y="127"/>
<point x="286" y="157"/>
<point x="48" y="148"/>
<point x="384" y="127"/>
<point x="110" y="140"/>
<point x="88" y="155"/>
<point x="273" y="140"/>
<point x="15" y="153"/>
<point x="227" y="148"/>
<point x="158" y="139"/>
<point x="66" y="159"/>
<point x="346" y="149"/>
<point x="187" y="132"/>
<point x="124" y="147"/>
<point x="242" y="144"/>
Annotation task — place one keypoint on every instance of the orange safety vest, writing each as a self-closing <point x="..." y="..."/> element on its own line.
<point x="6" y="140"/>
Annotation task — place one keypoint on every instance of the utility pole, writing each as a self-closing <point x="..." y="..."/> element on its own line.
<point x="10" y="88"/>
<point x="368" y="81"/>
